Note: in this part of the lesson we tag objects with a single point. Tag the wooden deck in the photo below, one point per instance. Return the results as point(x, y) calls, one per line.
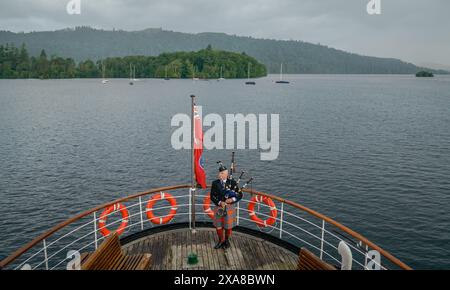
point(170, 250)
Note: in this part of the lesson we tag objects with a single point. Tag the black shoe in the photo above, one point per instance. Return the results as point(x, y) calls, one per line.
point(226, 244)
point(218, 245)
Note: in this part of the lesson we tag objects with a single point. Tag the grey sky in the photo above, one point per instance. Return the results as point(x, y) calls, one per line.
point(413, 30)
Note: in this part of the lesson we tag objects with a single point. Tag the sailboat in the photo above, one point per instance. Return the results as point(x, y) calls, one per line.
point(131, 75)
point(166, 78)
point(193, 77)
point(134, 74)
point(104, 81)
point(249, 82)
point(221, 74)
point(281, 81)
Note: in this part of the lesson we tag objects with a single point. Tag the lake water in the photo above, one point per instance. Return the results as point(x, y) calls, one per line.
point(372, 152)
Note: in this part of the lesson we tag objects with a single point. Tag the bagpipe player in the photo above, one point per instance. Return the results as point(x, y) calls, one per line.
point(225, 194)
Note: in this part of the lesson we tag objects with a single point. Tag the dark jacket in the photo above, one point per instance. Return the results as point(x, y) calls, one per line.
point(218, 191)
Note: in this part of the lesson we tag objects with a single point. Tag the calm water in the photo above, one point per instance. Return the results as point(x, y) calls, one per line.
point(373, 152)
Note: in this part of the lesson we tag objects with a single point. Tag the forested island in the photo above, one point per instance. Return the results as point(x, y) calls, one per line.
point(207, 64)
point(424, 74)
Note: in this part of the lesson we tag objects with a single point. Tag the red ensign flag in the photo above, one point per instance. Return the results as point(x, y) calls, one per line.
point(200, 174)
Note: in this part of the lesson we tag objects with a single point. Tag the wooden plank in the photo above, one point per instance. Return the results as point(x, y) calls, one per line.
point(282, 263)
point(184, 250)
point(293, 261)
point(204, 249)
point(262, 254)
point(162, 248)
point(243, 259)
point(167, 250)
point(269, 250)
point(179, 250)
point(285, 261)
point(173, 264)
point(235, 256)
point(246, 252)
point(201, 250)
point(232, 255)
point(268, 255)
point(250, 245)
point(209, 234)
point(146, 246)
point(229, 259)
point(113, 263)
point(274, 254)
point(257, 248)
point(210, 244)
point(153, 251)
point(144, 262)
point(157, 252)
point(189, 247)
point(119, 263)
point(127, 262)
point(130, 249)
point(161, 256)
point(172, 251)
point(134, 261)
point(242, 256)
point(216, 253)
point(194, 248)
point(84, 257)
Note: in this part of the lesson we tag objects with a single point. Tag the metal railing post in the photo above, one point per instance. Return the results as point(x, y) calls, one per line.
point(238, 211)
point(365, 258)
point(190, 208)
point(193, 219)
point(95, 230)
point(281, 220)
point(45, 254)
point(322, 238)
point(140, 210)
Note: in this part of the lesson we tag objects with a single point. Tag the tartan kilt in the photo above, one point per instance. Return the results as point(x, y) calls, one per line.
point(228, 222)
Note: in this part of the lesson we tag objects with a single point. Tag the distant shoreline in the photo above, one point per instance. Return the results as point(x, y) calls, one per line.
point(274, 76)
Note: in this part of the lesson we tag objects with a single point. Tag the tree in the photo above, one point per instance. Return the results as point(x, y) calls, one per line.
point(43, 66)
point(23, 67)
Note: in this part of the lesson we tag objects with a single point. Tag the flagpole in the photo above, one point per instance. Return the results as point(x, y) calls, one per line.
point(193, 185)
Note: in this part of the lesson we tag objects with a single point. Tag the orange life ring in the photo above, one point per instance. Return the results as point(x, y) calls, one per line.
point(161, 220)
point(104, 216)
point(207, 206)
point(273, 211)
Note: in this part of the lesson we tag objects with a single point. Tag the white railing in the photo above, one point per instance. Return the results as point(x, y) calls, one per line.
point(294, 224)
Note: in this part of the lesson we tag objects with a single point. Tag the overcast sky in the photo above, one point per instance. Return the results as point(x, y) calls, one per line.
point(413, 30)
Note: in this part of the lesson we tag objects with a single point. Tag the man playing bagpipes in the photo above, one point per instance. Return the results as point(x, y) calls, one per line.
point(225, 194)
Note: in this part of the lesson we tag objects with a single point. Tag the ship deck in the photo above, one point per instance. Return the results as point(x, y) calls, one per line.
point(170, 250)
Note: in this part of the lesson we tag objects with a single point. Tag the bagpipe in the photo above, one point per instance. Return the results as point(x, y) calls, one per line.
point(232, 191)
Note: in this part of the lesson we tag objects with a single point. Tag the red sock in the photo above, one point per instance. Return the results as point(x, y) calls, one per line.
point(220, 234)
point(228, 233)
